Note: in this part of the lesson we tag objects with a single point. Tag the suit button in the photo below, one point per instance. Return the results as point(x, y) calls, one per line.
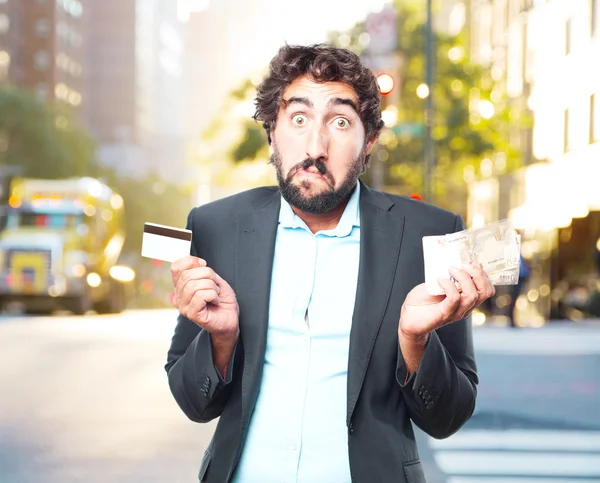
point(429, 405)
point(421, 389)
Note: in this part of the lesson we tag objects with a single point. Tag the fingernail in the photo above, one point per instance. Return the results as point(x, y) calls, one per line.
point(454, 269)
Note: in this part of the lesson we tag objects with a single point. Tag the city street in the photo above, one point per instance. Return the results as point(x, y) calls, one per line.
point(85, 399)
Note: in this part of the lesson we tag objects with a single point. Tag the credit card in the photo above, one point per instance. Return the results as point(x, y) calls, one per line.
point(165, 243)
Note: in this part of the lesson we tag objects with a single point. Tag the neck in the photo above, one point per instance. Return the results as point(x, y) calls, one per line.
point(322, 221)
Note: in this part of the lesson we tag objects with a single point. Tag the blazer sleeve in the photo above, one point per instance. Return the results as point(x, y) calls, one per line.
point(200, 391)
point(441, 394)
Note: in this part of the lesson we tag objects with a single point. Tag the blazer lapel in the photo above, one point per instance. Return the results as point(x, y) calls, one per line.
point(255, 246)
point(380, 240)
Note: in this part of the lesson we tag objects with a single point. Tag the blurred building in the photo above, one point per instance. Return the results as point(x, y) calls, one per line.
point(544, 56)
point(135, 84)
point(207, 75)
point(41, 48)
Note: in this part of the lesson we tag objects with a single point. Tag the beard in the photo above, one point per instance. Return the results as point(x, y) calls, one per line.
point(324, 201)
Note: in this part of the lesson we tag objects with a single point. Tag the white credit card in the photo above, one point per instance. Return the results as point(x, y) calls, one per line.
point(165, 243)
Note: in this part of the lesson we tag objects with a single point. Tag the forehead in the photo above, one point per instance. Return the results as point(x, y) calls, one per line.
point(319, 92)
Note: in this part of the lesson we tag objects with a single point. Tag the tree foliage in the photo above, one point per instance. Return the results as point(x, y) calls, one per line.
point(42, 140)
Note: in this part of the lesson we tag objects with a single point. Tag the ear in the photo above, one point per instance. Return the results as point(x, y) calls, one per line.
point(272, 145)
point(370, 144)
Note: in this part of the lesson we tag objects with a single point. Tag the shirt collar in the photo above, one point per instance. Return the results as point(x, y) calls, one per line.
point(350, 218)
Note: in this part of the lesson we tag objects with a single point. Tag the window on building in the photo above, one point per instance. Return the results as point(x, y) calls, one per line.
point(566, 132)
point(4, 23)
point(568, 29)
point(41, 60)
point(42, 28)
point(74, 7)
point(593, 17)
point(4, 64)
point(42, 90)
point(594, 120)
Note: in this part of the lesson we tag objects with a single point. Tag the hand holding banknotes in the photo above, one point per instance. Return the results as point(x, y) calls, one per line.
point(205, 298)
point(423, 313)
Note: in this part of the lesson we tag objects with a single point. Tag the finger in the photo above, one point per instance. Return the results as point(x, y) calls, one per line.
point(185, 263)
point(450, 304)
point(469, 296)
point(481, 280)
point(197, 305)
point(194, 286)
point(190, 274)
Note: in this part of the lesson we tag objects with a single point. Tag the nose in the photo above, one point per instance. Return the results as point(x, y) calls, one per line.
point(318, 143)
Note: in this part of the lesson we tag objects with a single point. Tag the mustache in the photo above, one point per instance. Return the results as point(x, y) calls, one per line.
point(307, 163)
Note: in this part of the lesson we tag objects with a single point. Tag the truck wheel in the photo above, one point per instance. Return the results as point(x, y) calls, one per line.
point(114, 303)
point(79, 305)
point(37, 311)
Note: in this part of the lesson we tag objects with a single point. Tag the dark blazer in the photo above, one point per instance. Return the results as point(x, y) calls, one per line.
point(236, 236)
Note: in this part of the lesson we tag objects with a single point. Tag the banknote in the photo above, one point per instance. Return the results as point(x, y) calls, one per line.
point(507, 277)
point(495, 246)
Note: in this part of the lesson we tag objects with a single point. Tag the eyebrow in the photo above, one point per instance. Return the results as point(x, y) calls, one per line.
point(343, 101)
point(336, 101)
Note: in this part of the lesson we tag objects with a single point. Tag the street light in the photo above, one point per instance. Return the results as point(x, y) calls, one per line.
point(422, 91)
point(386, 84)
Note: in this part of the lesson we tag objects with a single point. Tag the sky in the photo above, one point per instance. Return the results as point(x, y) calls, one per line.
point(254, 30)
point(273, 22)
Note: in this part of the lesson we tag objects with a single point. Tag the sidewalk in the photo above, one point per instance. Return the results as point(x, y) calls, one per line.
point(554, 338)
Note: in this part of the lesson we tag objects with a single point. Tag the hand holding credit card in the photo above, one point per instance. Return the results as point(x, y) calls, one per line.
point(165, 243)
point(495, 246)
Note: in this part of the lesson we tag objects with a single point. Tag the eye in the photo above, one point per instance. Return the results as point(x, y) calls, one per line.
point(299, 120)
point(342, 123)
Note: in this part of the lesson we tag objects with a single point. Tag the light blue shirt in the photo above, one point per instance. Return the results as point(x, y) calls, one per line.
point(298, 431)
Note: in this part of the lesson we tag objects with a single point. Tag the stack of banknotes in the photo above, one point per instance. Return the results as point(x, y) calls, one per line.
point(496, 247)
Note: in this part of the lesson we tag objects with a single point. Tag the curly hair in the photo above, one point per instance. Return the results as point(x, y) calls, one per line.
point(321, 63)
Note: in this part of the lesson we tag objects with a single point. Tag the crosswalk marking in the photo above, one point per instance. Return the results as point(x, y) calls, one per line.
point(503, 456)
point(520, 479)
point(521, 440)
point(526, 464)
point(546, 341)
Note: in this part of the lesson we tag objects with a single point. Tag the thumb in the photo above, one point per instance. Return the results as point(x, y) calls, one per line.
point(226, 294)
point(449, 305)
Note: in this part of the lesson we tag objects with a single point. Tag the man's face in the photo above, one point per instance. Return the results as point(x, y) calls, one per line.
point(318, 144)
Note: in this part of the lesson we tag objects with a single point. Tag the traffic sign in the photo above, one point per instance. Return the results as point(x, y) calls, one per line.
point(409, 129)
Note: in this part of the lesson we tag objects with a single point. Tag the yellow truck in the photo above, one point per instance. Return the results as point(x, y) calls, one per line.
point(60, 246)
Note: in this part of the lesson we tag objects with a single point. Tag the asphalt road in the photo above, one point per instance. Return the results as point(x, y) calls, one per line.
point(85, 399)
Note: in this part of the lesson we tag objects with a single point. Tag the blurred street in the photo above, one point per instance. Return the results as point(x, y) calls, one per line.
point(85, 399)
point(538, 410)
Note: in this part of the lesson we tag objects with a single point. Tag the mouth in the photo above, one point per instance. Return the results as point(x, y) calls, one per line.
point(310, 174)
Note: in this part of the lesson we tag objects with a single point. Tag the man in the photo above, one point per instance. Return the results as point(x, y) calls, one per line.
point(304, 321)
